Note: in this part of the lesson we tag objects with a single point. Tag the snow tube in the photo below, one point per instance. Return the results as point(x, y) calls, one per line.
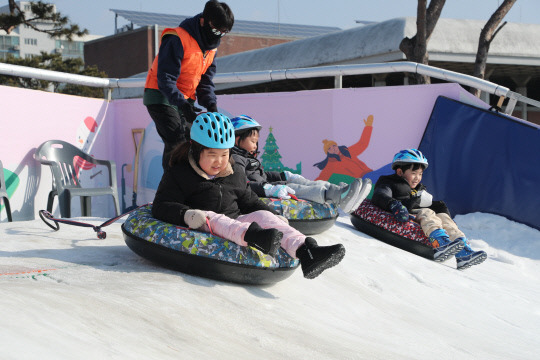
point(305, 216)
point(202, 254)
point(381, 225)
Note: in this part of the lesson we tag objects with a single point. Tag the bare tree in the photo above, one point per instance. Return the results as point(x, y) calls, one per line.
point(488, 33)
point(415, 48)
point(40, 13)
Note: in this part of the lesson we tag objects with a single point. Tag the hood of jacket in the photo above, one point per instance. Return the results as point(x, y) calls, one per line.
point(193, 26)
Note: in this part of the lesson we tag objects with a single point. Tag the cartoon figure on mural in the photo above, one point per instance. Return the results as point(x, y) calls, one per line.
point(85, 137)
point(11, 183)
point(342, 163)
point(86, 133)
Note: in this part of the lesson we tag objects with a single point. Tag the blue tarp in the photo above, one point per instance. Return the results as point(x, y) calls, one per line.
point(483, 161)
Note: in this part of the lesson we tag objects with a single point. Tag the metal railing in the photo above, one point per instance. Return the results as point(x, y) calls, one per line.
point(336, 71)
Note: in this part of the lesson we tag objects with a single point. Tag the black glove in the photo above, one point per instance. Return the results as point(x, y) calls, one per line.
point(187, 111)
point(399, 211)
point(212, 107)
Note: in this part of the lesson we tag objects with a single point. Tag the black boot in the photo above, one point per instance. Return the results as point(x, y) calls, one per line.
point(315, 259)
point(266, 240)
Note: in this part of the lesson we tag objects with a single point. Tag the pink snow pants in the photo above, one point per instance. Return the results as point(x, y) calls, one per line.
point(234, 229)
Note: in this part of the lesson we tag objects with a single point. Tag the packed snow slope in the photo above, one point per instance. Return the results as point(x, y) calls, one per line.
point(68, 295)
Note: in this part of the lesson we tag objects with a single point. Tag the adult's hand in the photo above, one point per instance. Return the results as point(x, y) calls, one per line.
point(188, 112)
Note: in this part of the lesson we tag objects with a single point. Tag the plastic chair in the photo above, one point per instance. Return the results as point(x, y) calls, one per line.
point(62, 157)
point(3, 193)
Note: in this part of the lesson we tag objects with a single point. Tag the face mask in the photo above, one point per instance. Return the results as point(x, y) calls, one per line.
point(208, 35)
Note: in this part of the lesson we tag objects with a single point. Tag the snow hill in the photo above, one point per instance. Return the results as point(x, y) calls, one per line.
point(68, 295)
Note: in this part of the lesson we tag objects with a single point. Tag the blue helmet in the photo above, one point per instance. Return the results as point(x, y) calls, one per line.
point(213, 130)
point(409, 156)
point(243, 123)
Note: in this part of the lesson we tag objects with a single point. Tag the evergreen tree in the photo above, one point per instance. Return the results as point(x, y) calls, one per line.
point(271, 158)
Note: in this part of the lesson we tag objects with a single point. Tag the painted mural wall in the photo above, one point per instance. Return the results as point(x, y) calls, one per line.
point(28, 118)
point(333, 135)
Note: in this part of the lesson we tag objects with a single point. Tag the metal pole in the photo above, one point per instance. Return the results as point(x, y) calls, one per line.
point(338, 82)
point(156, 45)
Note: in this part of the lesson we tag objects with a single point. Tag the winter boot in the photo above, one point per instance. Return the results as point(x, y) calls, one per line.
point(344, 197)
point(315, 259)
point(467, 257)
point(265, 240)
point(363, 193)
point(443, 248)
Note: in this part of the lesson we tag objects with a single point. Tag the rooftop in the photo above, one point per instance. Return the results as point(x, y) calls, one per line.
point(452, 41)
point(240, 26)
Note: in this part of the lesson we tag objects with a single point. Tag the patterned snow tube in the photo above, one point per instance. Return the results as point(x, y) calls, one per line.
point(202, 254)
point(381, 225)
point(305, 216)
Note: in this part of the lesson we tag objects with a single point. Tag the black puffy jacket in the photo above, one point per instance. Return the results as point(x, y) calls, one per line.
point(394, 187)
point(255, 173)
point(185, 186)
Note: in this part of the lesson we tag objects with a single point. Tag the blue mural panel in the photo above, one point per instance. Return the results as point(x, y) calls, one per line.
point(482, 161)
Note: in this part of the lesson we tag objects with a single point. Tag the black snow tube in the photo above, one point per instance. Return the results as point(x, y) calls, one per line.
point(308, 217)
point(381, 225)
point(202, 254)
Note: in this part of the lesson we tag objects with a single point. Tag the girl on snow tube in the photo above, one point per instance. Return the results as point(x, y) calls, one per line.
point(312, 200)
point(202, 253)
point(205, 191)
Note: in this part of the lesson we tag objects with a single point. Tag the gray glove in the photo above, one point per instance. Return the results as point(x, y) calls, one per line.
point(277, 191)
point(194, 218)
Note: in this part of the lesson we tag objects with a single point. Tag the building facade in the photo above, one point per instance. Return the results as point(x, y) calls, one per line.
point(24, 41)
point(132, 48)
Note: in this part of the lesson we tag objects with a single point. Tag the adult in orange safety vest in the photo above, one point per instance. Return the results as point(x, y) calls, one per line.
point(183, 72)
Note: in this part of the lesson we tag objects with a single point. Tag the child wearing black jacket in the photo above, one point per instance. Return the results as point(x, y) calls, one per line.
point(281, 184)
point(402, 193)
point(204, 190)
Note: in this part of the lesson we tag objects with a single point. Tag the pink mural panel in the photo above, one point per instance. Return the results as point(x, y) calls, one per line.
point(31, 117)
point(370, 123)
point(301, 121)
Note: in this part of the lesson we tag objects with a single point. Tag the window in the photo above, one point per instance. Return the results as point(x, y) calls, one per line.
point(9, 42)
point(70, 48)
point(29, 41)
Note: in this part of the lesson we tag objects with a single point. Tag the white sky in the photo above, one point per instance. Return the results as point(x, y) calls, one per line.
point(96, 16)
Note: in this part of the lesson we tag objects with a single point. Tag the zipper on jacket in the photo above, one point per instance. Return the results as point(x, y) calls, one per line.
point(220, 195)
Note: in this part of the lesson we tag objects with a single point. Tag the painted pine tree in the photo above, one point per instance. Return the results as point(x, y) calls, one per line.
point(271, 158)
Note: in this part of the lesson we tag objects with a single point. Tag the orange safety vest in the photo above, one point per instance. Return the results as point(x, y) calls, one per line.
point(194, 64)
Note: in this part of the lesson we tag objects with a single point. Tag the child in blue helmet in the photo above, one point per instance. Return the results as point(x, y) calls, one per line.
point(281, 184)
point(402, 193)
point(204, 190)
